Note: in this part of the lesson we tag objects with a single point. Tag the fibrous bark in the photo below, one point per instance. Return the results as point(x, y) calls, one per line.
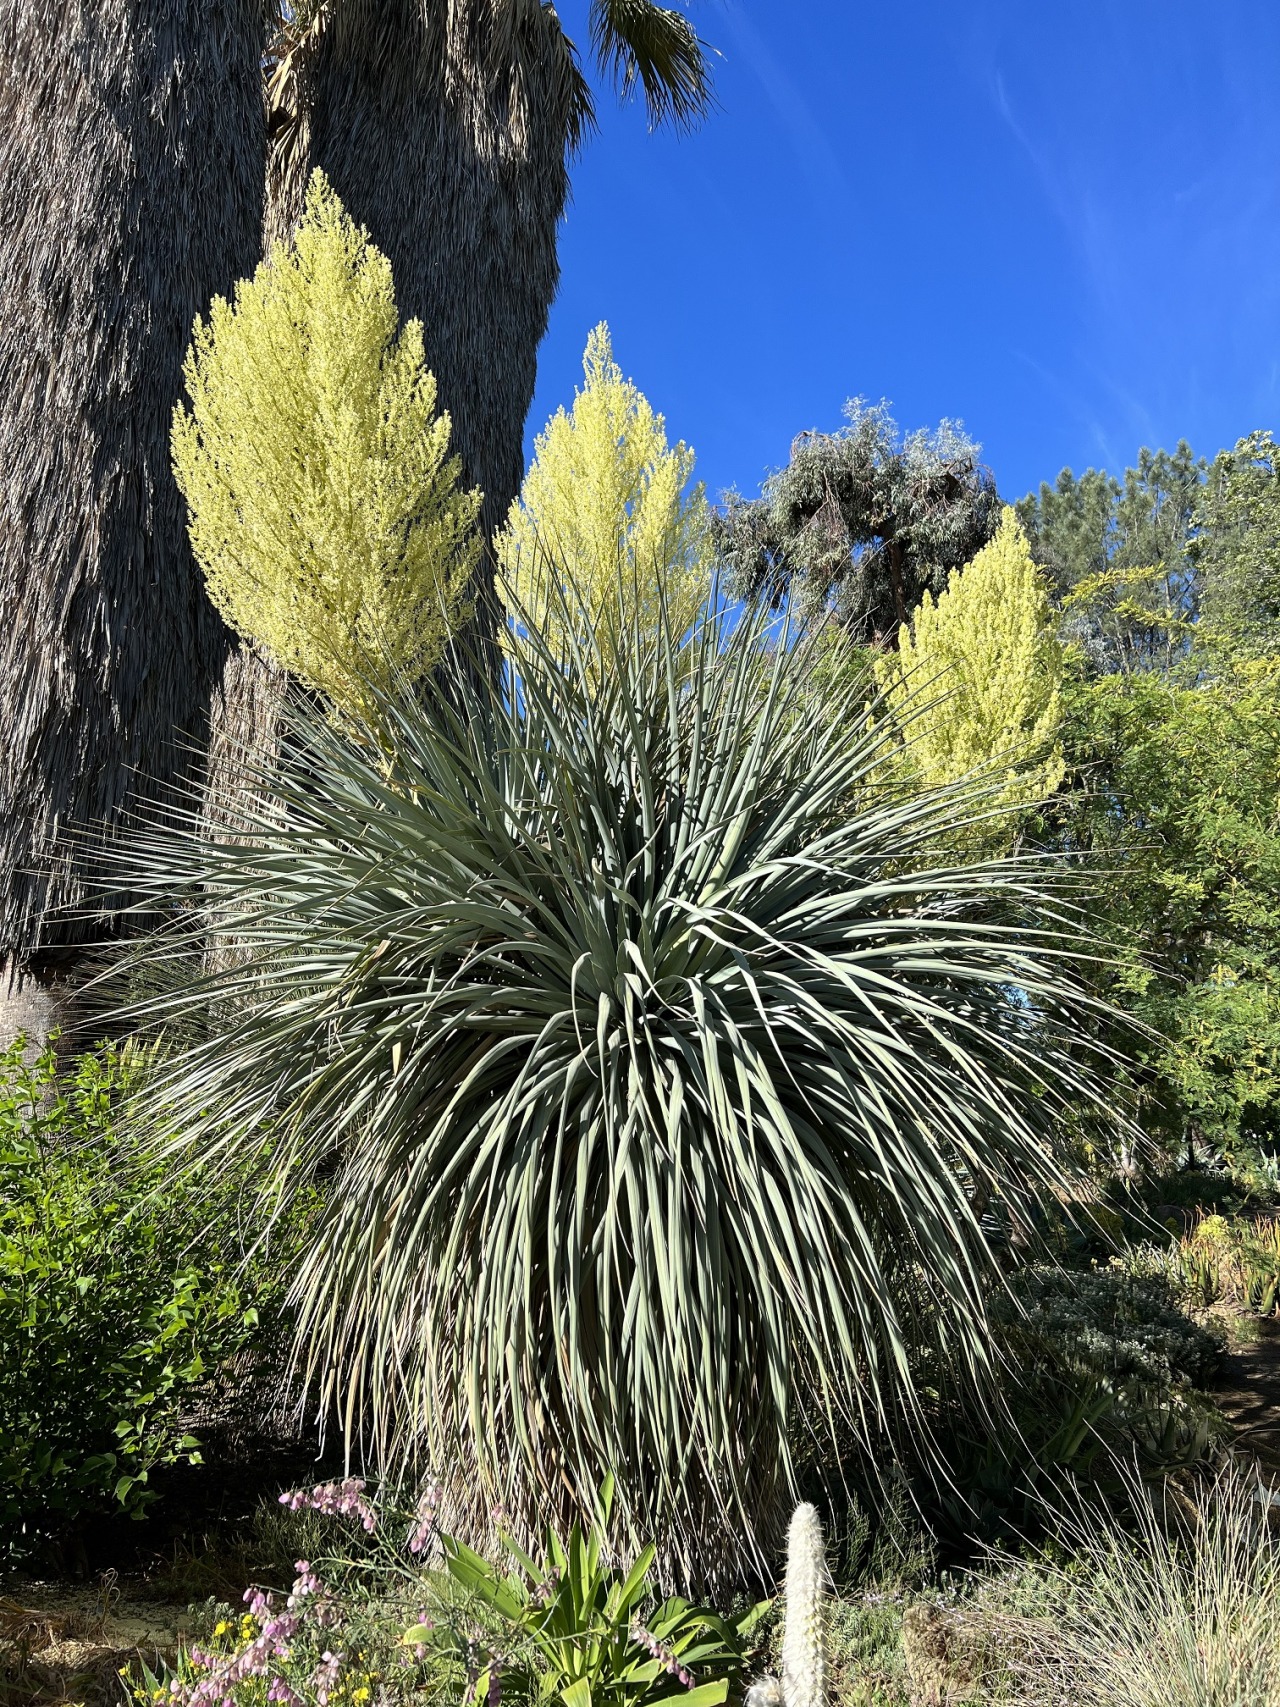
point(132, 149)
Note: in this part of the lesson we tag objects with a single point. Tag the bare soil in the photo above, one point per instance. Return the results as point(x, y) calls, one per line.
point(1249, 1397)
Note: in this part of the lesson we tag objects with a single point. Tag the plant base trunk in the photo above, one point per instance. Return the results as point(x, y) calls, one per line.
point(41, 999)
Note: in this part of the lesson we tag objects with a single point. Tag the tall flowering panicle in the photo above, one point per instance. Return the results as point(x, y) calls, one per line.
point(803, 1647)
point(663, 1654)
point(334, 1499)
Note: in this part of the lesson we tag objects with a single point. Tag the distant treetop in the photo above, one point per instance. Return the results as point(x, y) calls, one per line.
point(862, 522)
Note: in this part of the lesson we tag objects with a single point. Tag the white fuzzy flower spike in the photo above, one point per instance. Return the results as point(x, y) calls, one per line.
point(802, 1642)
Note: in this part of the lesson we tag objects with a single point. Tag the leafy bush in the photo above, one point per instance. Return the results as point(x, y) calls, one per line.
point(1118, 1328)
point(576, 1630)
point(572, 1630)
point(1100, 1365)
point(657, 1058)
point(1235, 1260)
point(114, 1327)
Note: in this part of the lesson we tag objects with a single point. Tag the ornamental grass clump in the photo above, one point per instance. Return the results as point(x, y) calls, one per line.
point(1179, 1606)
point(656, 1061)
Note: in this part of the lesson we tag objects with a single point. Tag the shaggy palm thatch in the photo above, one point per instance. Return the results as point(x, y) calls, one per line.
point(446, 130)
point(131, 165)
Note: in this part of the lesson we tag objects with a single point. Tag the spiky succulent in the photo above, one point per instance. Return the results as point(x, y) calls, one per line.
point(656, 1056)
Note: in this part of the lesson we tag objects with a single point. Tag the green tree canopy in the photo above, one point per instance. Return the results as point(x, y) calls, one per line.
point(1118, 555)
point(862, 522)
point(1177, 796)
point(1237, 548)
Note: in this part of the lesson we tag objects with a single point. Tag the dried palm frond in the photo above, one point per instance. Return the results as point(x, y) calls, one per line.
point(131, 167)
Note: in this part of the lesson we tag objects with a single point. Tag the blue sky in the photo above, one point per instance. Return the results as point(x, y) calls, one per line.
point(1059, 223)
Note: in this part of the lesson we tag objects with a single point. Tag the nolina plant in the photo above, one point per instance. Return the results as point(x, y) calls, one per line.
point(652, 1056)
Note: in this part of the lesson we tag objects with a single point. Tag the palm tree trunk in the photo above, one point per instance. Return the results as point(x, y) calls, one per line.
point(132, 147)
point(460, 174)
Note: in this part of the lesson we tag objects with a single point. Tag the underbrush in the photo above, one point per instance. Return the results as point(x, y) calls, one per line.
point(390, 1609)
point(1169, 1597)
point(130, 1314)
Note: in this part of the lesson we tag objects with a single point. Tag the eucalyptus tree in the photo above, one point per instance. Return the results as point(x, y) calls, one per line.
point(132, 148)
point(862, 522)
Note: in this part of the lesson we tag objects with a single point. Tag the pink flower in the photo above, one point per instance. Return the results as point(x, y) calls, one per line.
point(424, 1518)
point(334, 1499)
point(662, 1654)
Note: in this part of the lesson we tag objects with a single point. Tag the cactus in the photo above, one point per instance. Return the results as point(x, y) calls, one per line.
point(803, 1664)
point(802, 1644)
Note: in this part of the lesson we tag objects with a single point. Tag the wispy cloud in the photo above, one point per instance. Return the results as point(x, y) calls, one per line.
point(820, 166)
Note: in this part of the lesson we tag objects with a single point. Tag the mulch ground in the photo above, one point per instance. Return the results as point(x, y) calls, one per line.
point(1249, 1397)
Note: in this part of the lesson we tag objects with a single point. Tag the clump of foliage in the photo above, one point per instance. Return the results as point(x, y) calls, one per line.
point(1099, 1364)
point(606, 509)
point(576, 1629)
point(404, 1610)
point(861, 523)
point(115, 1324)
point(1234, 1260)
point(1119, 556)
point(656, 1070)
point(1175, 798)
point(1123, 1330)
point(978, 675)
point(324, 508)
point(1236, 550)
point(1176, 1607)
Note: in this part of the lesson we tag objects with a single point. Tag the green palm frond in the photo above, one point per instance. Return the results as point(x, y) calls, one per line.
point(638, 42)
point(513, 51)
point(654, 1056)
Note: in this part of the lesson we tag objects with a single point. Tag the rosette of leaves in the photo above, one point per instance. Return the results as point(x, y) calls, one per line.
point(576, 1628)
point(659, 1059)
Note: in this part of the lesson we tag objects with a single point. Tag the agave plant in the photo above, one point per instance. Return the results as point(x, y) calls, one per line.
point(657, 1058)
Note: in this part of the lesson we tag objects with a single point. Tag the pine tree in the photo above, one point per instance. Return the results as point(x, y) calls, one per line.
point(324, 505)
point(1121, 558)
point(977, 678)
point(1237, 547)
point(606, 507)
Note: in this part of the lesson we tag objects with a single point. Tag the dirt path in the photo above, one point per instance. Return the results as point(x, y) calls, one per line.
point(1249, 1397)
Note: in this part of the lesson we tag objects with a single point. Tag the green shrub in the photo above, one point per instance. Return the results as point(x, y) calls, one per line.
point(390, 1610)
point(1233, 1260)
point(1100, 1365)
point(1118, 1329)
point(116, 1325)
point(578, 1630)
